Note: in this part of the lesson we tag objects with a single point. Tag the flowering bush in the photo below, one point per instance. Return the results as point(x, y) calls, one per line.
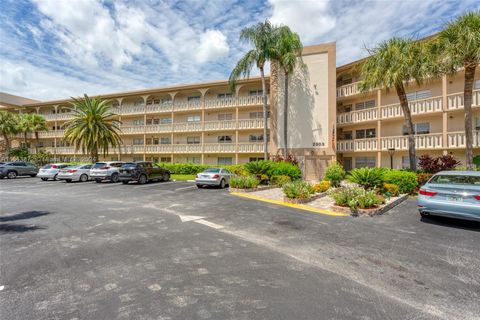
point(322, 186)
point(391, 188)
point(280, 180)
point(430, 164)
point(298, 190)
point(241, 182)
point(356, 198)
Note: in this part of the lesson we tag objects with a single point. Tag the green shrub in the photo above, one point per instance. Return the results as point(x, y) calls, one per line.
point(258, 168)
point(280, 180)
point(335, 174)
point(369, 178)
point(284, 169)
point(238, 169)
point(405, 180)
point(298, 190)
point(355, 198)
point(476, 161)
point(242, 182)
point(322, 186)
point(391, 188)
point(184, 168)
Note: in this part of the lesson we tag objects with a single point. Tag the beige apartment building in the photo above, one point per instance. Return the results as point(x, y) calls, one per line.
point(329, 119)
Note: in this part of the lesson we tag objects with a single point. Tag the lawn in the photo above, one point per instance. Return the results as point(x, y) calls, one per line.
point(183, 177)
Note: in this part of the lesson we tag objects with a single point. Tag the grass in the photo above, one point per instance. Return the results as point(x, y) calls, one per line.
point(183, 177)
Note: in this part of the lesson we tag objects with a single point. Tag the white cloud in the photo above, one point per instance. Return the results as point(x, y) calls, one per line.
point(309, 18)
point(213, 45)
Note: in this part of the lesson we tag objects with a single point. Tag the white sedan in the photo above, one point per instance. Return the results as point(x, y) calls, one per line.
point(79, 172)
point(50, 171)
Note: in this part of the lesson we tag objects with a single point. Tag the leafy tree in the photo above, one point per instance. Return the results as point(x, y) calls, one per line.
point(262, 39)
point(41, 158)
point(8, 126)
point(458, 46)
point(24, 126)
point(93, 127)
point(288, 51)
point(20, 153)
point(393, 64)
point(36, 123)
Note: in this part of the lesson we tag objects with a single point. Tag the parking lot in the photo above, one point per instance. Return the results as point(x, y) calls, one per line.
point(172, 251)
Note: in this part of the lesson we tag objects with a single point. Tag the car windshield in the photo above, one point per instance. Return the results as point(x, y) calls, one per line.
point(99, 165)
point(212, 170)
point(47, 166)
point(129, 165)
point(456, 180)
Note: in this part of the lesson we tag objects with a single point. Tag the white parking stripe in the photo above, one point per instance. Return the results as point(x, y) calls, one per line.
point(153, 185)
point(185, 188)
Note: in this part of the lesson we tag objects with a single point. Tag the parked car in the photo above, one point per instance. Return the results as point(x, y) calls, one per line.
point(80, 172)
point(453, 194)
point(11, 170)
point(108, 170)
point(213, 177)
point(50, 171)
point(143, 172)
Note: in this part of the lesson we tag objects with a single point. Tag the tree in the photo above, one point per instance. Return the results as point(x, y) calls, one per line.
point(36, 123)
point(394, 64)
point(458, 47)
point(261, 37)
point(24, 127)
point(93, 127)
point(288, 51)
point(8, 126)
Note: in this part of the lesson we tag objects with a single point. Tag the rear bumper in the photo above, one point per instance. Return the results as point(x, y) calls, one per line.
point(67, 177)
point(100, 175)
point(467, 211)
point(46, 175)
point(128, 178)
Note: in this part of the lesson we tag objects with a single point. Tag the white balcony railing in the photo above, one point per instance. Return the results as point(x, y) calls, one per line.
point(132, 129)
point(417, 107)
point(154, 128)
point(234, 102)
point(159, 148)
point(159, 107)
point(219, 147)
point(221, 125)
point(250, 124)
point(358, 116)
point(369, 144)
point(457, 139)
point(455, 101)
point(187, 148)
point(348, 90)
point(423, 141)
point(50, 134)
point(256, 147)
point(187, 105)
point(187, 126)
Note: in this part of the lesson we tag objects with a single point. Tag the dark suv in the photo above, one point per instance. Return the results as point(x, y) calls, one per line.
point(143, 172)
point(11, 170)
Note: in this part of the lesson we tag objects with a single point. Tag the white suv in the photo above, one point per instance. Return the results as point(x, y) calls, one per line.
point(108, 170)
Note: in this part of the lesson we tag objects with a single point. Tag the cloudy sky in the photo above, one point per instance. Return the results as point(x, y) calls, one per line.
point(52, 49)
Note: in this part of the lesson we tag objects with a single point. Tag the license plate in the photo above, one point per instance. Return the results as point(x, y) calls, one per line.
point(454, 199)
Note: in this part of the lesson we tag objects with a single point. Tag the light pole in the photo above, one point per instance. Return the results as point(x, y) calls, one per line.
point(391, 151)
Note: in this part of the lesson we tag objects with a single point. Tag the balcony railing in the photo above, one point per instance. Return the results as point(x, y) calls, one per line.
point(51, 134)
point(348, 90)
point(423, 141)
point(369, 144)
point(455, 101)
point(457, 139)
point(416, 107)
point(57, 116)
point(358, 116)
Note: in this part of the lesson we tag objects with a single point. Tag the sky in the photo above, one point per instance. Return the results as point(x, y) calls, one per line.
point(56, 49)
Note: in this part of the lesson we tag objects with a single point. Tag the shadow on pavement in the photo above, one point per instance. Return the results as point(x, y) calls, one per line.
point(452, 223)
point(24, 215)
point(6, 228)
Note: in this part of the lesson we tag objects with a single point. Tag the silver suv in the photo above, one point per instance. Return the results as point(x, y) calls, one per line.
point(17, 168)
point(108, 170)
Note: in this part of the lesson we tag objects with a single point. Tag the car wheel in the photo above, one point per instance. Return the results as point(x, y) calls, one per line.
point(125, 181)
point(55, 178)
point(11, 175)
point(44, 179)
point(33, 175)
point(114, 177)
point(199, 186)
point(166, 176)
point(98, 180)
point(424, 214)
point(142, 179)
point(83, 178)
point(222, 184)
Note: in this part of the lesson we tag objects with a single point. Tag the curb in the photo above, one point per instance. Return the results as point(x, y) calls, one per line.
point(291, 205)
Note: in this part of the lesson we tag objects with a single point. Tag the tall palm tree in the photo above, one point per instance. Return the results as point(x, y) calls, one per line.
point(93, 127)
point(36, 123)
point(288, 51)
point(394, 64)
point(458, 47)
point(24, 126)
point(261, 37)
point(8, 126)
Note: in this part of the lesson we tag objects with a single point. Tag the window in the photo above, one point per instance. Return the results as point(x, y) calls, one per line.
point(153, 121)
point(347, 135)
point(165, 140)
point(138, 141)
point(365, 133)
point(193, 140)
point(365, 105)
point(224, 139)
point(361, 162)
point(224, 95)
point(166, 101)
point(225, 116)
point(422, 94)
point(224, 161)
point(193, 119)
point(138, 122)
point(255, 138)
point(166, 120)
point(476, 123)
point(255, 159)
point(138, 102)
point(194, 99)
point(418, 128)
point(155, 159)
point(195, 160)
point(152, 141)
point(166, 159)
point(346, 108)
point(256, 115)
point(255, 92)
point(136, 159)
point(476, 84)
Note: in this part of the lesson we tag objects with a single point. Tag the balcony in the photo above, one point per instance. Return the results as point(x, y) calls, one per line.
point(348, 90)
point(234, 102)
point(358, 116)
point(457, 139)
point(424, 141)
point(369, 144)
point(421, 106)
point(455, 101)
point(57, 116)
point(50, 134)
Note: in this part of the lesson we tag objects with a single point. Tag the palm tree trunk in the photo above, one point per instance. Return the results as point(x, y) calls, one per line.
point(467, 106)
point(265, 114)
point(408, 121)
point(37, 142)
point(25, 139)
point(7, 146)
point(285, 116)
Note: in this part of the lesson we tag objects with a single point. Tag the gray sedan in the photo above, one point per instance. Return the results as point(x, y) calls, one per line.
point(79, 172)
point(213, 177)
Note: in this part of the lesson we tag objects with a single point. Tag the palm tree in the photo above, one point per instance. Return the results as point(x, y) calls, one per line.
point(458, 47)
point(288, 51)
point(36, 123)
point(24, 126)
point(8, 126)
point(93, 127)
point(393, 64)
point(261, 37)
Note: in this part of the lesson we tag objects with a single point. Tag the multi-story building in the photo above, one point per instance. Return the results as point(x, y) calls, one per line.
point(328, 119)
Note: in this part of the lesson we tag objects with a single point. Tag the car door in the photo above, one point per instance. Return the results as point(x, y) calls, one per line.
point(226, 174)
point(86, 169)
point(31, 168)
point(151, 173)
point(21, 168)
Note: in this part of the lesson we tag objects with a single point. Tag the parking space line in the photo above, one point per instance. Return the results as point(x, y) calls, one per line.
point(154, 185)
point(185, 188)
